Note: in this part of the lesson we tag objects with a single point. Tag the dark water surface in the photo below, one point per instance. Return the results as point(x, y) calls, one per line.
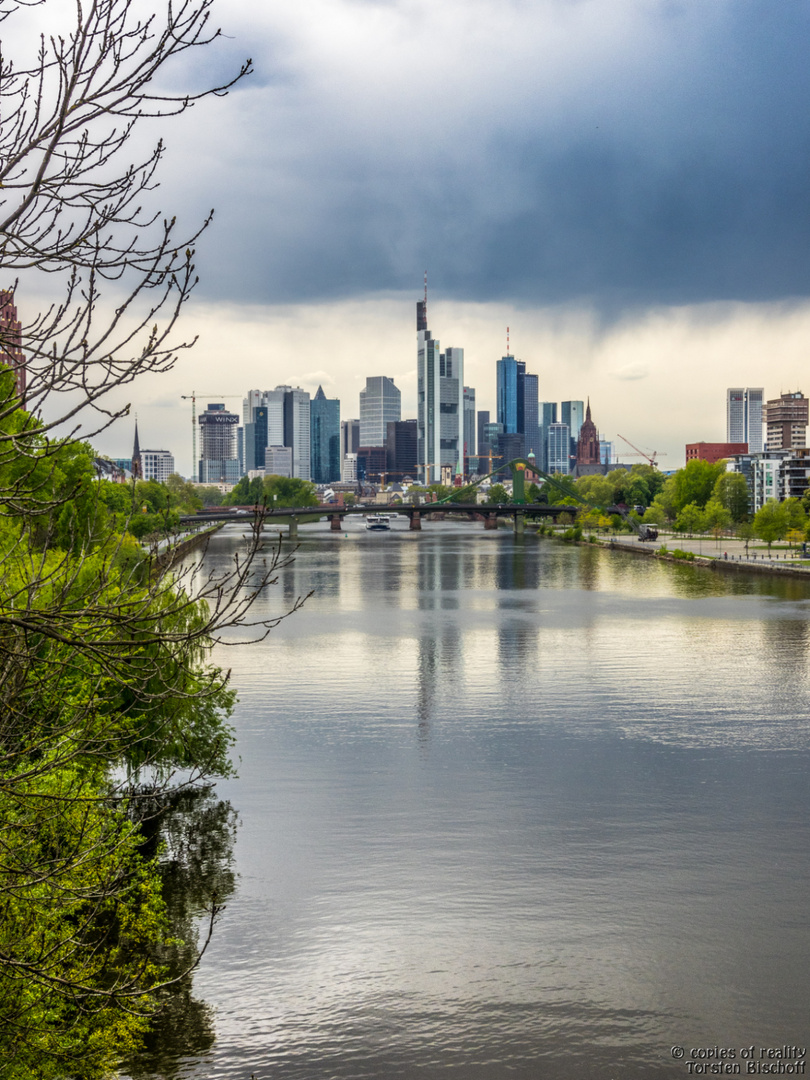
point(512, 810)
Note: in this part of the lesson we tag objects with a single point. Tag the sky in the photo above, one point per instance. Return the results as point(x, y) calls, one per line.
point(623, 183)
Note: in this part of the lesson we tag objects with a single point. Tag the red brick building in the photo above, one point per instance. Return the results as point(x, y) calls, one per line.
point(714, 451)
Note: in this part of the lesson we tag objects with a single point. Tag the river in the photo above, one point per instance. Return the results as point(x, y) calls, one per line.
point(512, 810)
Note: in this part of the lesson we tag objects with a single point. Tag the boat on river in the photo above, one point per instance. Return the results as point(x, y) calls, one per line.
point(378, 522)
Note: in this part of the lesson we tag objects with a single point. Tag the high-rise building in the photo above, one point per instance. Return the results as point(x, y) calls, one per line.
point(483, 420)
point(157, 465)
point(325, 438)
point(255, 438)
point(786, 418)
point(218, 462)
point(278, 461)
point(559, 449)
point(380, 405)
point(11, 352)
point(349, 437)
point(440, 401)
point(400, 449)
point(507, 393)
point(469, 424)
point(531, 415)
point(546, 415)
point(297, 430)
point(744, 417)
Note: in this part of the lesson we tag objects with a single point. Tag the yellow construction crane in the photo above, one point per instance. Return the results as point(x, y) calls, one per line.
point(192, 397)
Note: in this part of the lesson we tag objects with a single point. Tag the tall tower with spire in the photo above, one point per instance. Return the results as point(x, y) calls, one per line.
point(137, 464)
point(588, 449)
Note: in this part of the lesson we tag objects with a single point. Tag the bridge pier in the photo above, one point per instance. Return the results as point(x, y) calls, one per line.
point(416, 521)
point(336, 524)
point(520, 524)
point(293, 532)
point(491, 521)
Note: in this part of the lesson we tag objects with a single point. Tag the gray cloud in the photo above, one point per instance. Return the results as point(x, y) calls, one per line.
point(617, 153)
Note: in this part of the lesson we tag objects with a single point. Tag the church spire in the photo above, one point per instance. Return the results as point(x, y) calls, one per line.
point(137, 468)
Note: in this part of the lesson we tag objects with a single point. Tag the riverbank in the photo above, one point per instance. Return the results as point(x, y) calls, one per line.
point(729, 555)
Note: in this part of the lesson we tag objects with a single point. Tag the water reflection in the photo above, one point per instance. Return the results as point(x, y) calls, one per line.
point(194, 833)
point(514, 809)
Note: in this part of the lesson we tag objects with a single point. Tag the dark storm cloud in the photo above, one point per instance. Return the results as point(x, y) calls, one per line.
point(616, 152)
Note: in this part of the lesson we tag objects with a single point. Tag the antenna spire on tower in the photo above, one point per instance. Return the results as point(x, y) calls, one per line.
point(426, 296)
point(507, 342)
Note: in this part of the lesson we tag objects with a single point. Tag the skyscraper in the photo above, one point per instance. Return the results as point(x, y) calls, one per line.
point(380, 404)
point(744, 417)
point(325, 438)
point(507, 393)
point(469, 423)
point(531, 415)
point(297, 430)
point(559, 449)
point(786, 418)
point(440, 403)
point(218, 459)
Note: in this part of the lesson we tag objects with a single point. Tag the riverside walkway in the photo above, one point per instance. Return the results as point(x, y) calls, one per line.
point(726, 550)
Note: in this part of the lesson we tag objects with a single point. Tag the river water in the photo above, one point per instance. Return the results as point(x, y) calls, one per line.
point(512, 810)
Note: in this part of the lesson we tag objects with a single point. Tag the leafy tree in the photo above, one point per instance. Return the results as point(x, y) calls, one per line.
point(498, 494)
point(771, 522)
point(286, 491)
point(183, 495)
point(695, 483)
point(691, 519)
point(716, 516)
point(731, 490)
point(105, 681)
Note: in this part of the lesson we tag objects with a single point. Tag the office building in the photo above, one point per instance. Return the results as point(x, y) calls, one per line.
point(371, 463)
point(297, 430)
point(400, 449)
point(325, 438)
point(349, 437)
point(11, 353)
point(278, 461)
point(786, 421)
point(546, 415)
point(349, 468)
point(606, 451)
point(255, 438)
point(558, 449)
point(380, 405)
point(440, 404)
point(481, 421)
point(218, 463)
point(744, 417)
point(507, 393)
point(714, 452)
point(157, 465)
point(469, 425)
point(531, 415)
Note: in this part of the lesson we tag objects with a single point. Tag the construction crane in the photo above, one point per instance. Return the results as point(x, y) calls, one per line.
point(640, 453)
point(192, 397)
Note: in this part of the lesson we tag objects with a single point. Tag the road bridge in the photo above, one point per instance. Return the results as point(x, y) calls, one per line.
point(292, 516)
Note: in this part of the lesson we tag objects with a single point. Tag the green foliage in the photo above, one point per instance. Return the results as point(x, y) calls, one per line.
point(691, 519)
point(731, 490)
point(687, 556)
point(694, 484)
point(772, 522)
point(498, 494)
point(716, 516)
